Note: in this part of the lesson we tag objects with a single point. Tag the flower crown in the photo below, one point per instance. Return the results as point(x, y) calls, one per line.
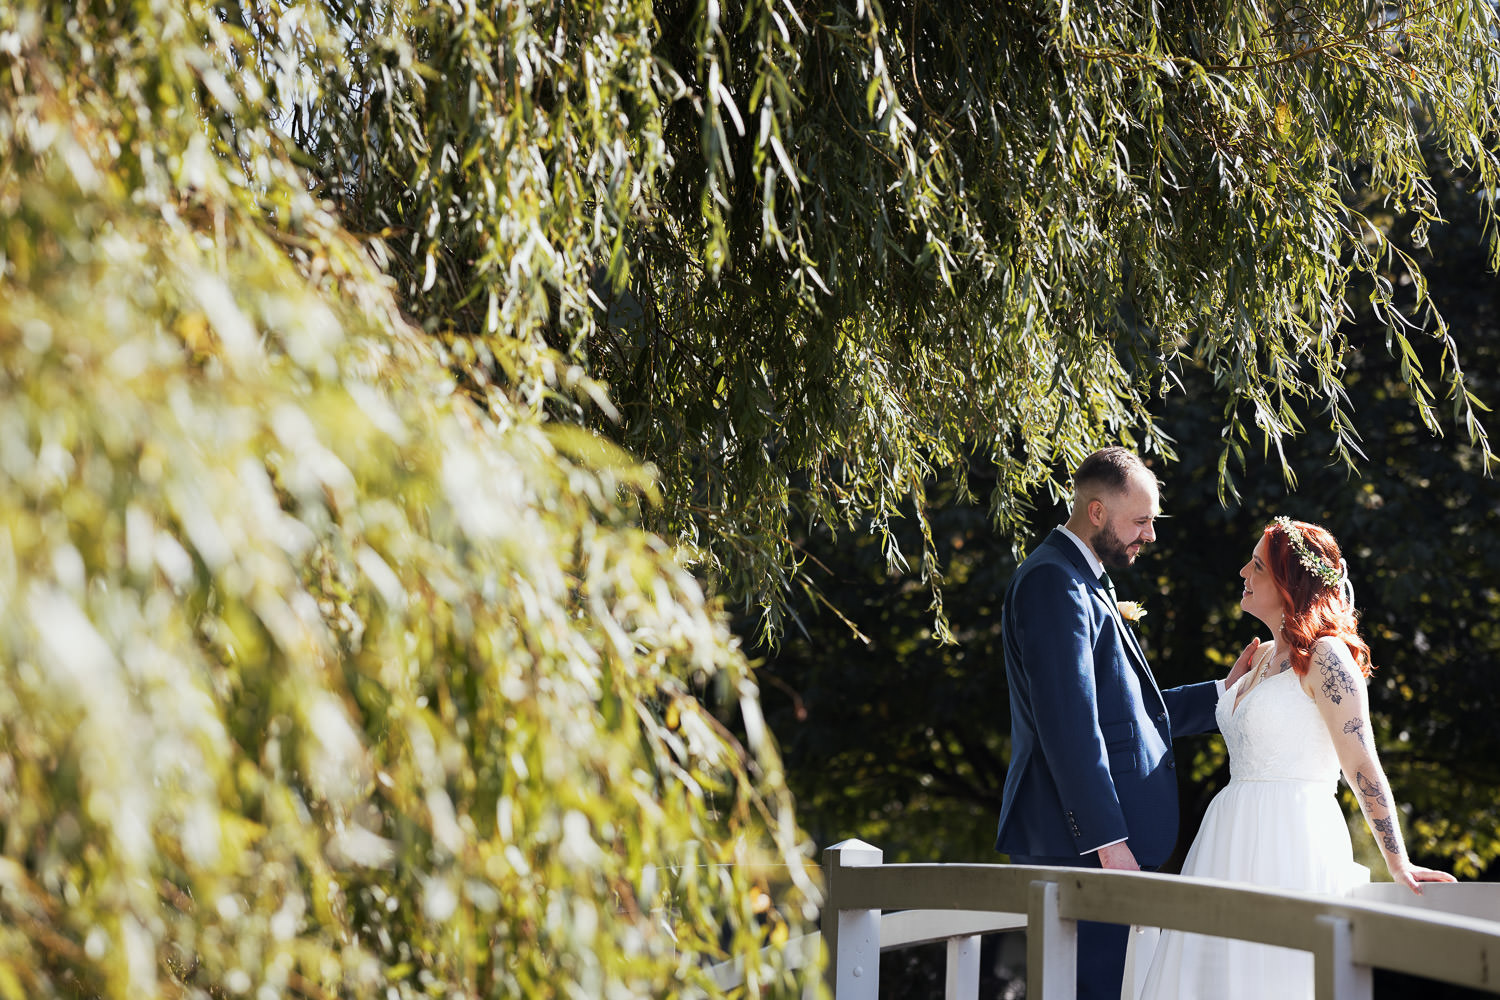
point(1329, 574)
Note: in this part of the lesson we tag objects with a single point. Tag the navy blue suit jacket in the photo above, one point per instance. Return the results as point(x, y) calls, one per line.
point(1091, 757)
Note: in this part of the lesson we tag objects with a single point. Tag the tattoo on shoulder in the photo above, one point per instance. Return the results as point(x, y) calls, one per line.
point(1336, 681)
point(1356, 728)
point(1370, 790)
point(1387, 830)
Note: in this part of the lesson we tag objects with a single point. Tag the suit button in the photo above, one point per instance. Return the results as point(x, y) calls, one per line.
point(1161, 717)
point(1171, 764)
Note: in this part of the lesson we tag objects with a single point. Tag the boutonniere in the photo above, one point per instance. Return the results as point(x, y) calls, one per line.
point(1131, 611)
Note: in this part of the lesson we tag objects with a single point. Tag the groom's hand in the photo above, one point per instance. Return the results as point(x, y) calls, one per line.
point(1242, 664)
point(1118, 857)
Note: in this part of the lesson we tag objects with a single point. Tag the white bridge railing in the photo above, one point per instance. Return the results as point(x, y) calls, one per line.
point(1450, 933)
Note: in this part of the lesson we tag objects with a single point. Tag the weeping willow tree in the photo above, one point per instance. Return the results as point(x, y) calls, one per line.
point(317, 679)
point(819, 252)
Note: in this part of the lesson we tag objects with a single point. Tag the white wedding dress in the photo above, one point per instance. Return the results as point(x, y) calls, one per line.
point(1277, 824)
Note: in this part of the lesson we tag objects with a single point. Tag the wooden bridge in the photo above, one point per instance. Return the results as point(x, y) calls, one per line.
point(1450, 933)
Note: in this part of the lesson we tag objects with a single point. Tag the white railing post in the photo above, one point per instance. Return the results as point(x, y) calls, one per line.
point(962, 982)
point(1337, 975)
point(1051, 947)
point(853, 936)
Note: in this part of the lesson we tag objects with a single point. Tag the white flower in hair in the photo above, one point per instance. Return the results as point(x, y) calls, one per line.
point(1329, 574)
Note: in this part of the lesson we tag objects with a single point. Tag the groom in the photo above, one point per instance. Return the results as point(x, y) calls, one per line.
point(1092, 780)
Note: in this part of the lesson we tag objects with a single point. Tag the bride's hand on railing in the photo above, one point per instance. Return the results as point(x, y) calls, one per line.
point(1412, 876)
point(1242, 665)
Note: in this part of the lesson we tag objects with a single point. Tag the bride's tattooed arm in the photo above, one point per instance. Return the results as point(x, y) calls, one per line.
point(1338, 689)
point(1386, 828)
point(1370, 791)
point(1338, 682)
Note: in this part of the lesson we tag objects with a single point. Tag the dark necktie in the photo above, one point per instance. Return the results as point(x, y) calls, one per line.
point(1109, 586)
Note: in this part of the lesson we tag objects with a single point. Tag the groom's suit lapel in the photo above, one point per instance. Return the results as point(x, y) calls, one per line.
point(1134, 645)
point(1133, 648)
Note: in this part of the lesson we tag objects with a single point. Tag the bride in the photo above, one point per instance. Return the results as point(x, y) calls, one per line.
point(1293, 720)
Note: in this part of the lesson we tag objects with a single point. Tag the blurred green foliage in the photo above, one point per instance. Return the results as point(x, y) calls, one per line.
point(316, 679)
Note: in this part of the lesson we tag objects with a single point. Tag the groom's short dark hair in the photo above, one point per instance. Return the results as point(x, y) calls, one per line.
point(1108, 468)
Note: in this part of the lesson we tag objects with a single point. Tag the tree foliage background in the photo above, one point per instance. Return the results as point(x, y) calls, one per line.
point(386, 382)
point(821, 252)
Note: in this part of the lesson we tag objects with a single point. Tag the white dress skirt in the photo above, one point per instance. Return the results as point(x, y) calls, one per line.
point(1277, 825)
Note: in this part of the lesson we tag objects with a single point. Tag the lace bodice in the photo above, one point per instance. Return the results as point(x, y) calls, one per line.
point(1276, 733)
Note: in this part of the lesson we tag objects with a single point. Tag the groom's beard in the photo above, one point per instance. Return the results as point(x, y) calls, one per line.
point(1112, 550)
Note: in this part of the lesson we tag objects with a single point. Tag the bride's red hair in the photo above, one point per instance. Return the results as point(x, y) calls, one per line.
point(1313, 608)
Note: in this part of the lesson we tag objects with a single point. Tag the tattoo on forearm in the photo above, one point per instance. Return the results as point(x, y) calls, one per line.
point(1370, 790)
point(1387, 830)
point(1336, 682)
point(1356, 728)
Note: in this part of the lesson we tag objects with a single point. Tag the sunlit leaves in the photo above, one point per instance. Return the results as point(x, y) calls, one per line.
point(317, 678)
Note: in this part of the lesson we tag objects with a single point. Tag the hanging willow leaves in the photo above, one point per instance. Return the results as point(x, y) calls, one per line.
point(818, 251)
